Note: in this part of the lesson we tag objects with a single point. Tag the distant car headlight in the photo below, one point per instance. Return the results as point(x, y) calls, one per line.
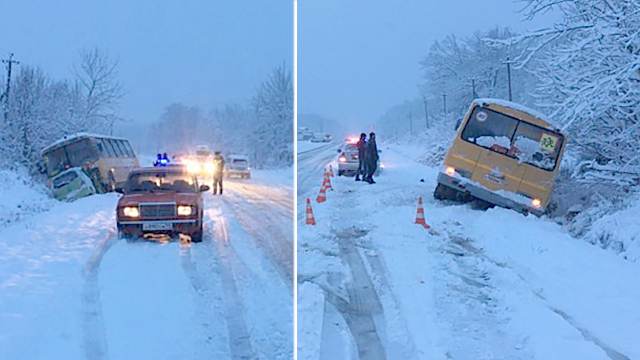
point(342, 159)
point(185, 210)
point(450, 170)
point(381, 165)
point(193, 167)
point(131, 211)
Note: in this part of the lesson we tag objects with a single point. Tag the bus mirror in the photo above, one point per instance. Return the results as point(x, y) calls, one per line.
point(119, 190)
point(458, 122)
point(41, 168)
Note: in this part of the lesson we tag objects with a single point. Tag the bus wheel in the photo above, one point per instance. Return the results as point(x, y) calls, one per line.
point(443, 192)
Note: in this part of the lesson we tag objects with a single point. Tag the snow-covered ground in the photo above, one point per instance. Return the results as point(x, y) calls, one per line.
point(481, 285)
point(69, 289)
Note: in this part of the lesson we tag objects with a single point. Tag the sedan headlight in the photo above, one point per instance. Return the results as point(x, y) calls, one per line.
point(131, 211)
point(185, 210)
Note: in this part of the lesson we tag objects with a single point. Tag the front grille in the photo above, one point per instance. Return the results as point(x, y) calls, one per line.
point(157, 210)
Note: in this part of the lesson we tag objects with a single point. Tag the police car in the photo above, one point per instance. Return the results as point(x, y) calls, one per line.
point(163, 199)
point(348, 159)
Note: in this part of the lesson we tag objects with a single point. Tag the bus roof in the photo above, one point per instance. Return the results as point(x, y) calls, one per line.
point(518, 110)
point(68, 139)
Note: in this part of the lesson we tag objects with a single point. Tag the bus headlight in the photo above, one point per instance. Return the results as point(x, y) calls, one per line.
point(450, 170)
point(342, 159)
point(536, 203)
point(185, 210)
point(131, 211)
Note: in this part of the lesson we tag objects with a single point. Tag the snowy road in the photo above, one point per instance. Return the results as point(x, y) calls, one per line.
point(70, 289)
point(482, 285)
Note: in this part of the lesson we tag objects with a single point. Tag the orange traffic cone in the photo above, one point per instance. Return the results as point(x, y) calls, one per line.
point(310, 219)
point(327, 181)
point(322, 196)
point(420, 220)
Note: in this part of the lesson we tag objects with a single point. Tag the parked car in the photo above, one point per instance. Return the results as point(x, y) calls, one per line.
point(237, 166)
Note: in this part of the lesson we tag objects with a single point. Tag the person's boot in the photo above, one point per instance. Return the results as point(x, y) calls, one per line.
point(371, 180)
point(357, 177)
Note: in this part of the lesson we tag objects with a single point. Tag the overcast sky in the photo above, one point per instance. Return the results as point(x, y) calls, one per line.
point(357, 58)
point(199, 52)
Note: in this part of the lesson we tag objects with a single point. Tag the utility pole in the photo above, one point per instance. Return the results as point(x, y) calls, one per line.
point(9, 63)
point(444, 104)
point(426, 111)
point(473, 89)
point(508, 62)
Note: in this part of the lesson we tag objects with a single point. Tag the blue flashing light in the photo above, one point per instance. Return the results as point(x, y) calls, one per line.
point(161, 160)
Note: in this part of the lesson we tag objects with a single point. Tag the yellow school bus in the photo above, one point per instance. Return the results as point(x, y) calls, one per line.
point(503, 154)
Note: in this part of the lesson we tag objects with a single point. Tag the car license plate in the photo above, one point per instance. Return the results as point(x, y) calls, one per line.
point(155, 226)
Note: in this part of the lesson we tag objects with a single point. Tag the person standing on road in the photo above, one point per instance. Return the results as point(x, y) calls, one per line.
point(371, 156)
point(218, 170)
point(362, 146)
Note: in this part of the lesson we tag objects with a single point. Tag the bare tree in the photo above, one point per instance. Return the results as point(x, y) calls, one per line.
point(97, 79)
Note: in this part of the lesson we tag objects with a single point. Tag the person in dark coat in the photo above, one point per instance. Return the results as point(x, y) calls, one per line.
point(218, 172)
point(362, 147)
point(371, 156)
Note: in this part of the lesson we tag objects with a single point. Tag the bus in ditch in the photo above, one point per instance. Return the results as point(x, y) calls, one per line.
point(503, 154)
point(84, 164)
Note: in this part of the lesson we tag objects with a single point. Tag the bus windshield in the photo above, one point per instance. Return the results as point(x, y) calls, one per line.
point(512, 137)
point(75, 154)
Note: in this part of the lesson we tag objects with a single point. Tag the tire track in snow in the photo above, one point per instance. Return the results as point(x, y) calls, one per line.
point(239, 338)
point(363, 304)
point(313, 162)
point(206, 294)
point(258, 219)
point(94, 336)
point(466, 245)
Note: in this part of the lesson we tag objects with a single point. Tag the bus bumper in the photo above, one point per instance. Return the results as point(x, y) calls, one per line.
point(468, 190)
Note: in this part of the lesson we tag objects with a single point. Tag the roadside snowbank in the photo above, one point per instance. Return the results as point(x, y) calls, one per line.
point(21, 196)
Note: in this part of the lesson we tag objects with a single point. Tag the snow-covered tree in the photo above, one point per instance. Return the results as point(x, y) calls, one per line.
point(471, 67)
point(588, 65)
point(273, 108)
point(42, 110)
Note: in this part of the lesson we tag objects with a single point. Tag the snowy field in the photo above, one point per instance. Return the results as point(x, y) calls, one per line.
point(481, 285)
point(69, 289)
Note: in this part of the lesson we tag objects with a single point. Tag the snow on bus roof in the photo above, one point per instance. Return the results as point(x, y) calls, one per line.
point(77, 136)
point(516, 106)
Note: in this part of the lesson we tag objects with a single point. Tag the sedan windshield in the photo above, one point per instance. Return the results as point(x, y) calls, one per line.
point(511, 137)
point(161, 181)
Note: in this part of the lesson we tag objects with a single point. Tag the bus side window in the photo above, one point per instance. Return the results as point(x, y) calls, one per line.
point(123, 148)
point(129, 149)
point(110, 151)
point(116, 149)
